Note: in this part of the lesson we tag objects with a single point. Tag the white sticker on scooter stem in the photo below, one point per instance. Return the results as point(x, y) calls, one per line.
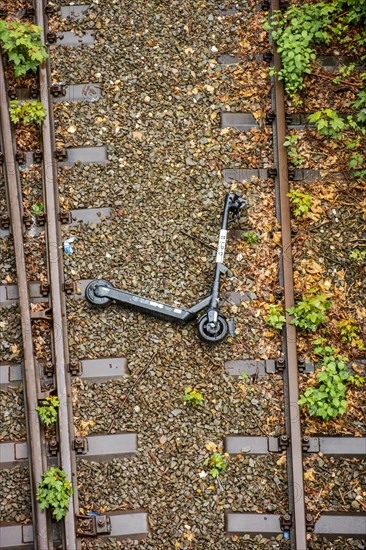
point(221, 246)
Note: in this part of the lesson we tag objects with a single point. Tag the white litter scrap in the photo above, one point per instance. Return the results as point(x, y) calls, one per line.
point(68, 245)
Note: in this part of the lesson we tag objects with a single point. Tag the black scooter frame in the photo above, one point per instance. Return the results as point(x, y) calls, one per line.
point(212, 326)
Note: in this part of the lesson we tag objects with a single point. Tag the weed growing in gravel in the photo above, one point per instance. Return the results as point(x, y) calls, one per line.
point(54, 491)
point(217, 462)
point(27, 112)
point(295, 32)
point(47, 410)
point(37, 208)
point(23, 45)
point(328, 123)
point(350, 332)
point(300, 201)
point(310, 312)
point(293, 155)
point(276, 318)
point(328, 399)
point(359, 255)
point(193, 397)
point(250, 237)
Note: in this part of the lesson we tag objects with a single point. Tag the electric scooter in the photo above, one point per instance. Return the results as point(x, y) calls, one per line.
point(212, 326)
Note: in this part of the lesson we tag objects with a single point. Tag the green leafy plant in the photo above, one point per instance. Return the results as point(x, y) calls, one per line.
point(290, 142)
point(359, 255)
point(193, 397)
point(250, 237)
point(217, 463)
point(54, 492)
point(47, 410)
point(295, 31)
point(349, 329)
point(23, 45)
point(300, 201)
point(276, 318)
point(27, 112)
point(37, 208)
point(350, 332)
point(310, 312)
point(328, 123)
point(328, 399)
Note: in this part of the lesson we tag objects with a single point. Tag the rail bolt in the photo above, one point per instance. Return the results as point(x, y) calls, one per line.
point(265, 5)
point(51, 37)
point(305, 443)
point(37, 156)
point(65, 216)
point(5, 221)
point(75, 367)
point(20, 157)
point(49, 10)
point(301, 363)
point(267, 56)
point(69, 287)
point(48, 369)
point(12, 93)
point(41, 219)
point(270, 117)
point(60, 154)
point(80, 445)
point(309, 520)
point(285, 522)
point(272, 172)
point(53, 447)
point(45, 289)
point(284, 441)
point(291, 173)
point(57, 89)
point(278, 293)
point(280, 364)
point(29, 12)
point(34, 91)
point(27, 220)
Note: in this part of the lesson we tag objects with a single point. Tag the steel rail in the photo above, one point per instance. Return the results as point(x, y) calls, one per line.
point(55, 273)
point(37, 452)
point(293, 423)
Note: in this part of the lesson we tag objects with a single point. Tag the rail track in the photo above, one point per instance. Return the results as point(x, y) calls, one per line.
point(75, 446)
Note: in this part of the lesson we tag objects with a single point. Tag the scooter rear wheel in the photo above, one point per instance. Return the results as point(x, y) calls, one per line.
point(93, 298)
point(205, 332)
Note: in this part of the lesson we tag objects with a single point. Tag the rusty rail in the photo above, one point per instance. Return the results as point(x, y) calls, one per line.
point(293, 424)
point(36, 446)
point(55, 274)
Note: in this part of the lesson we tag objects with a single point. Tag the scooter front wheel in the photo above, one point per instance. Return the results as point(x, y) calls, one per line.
point(212, 333)
point(91, 293)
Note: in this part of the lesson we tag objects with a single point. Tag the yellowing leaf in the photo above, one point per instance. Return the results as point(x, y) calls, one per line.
point(313, 267)
point(14, 348)
point(281, 461)
point(277, 238)
point(309, 475)
point(210, 446)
